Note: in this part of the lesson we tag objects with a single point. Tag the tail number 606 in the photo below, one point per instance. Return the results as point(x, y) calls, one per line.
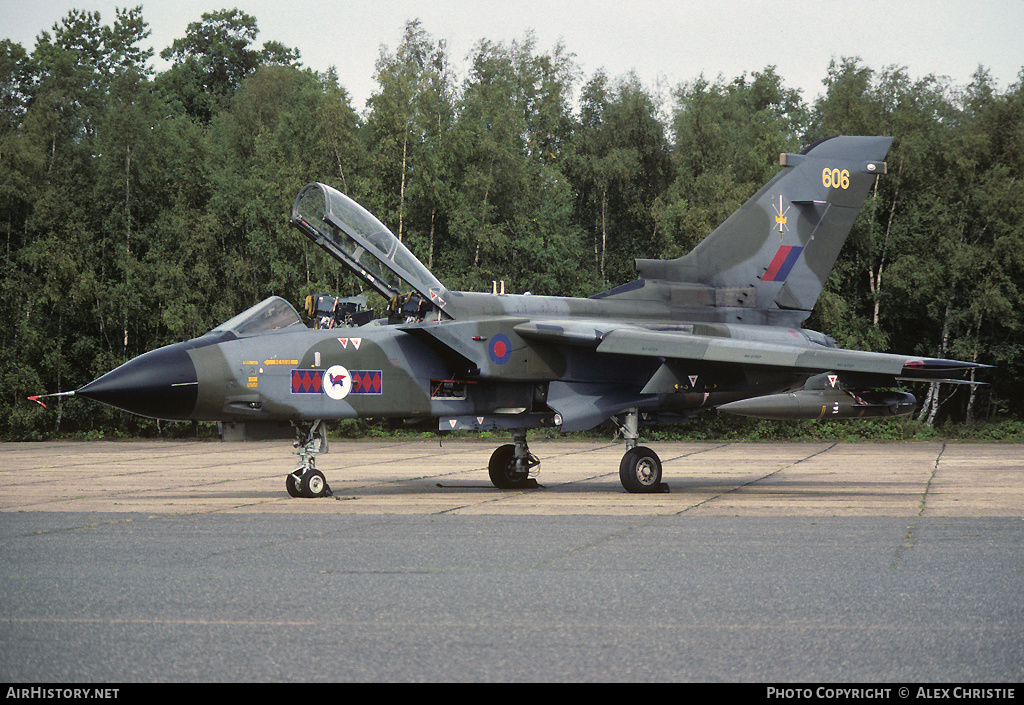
point(833, 178)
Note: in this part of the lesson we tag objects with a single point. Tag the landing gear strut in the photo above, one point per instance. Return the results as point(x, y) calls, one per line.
point(305, 480)
point(640, 467)
point(510, 465)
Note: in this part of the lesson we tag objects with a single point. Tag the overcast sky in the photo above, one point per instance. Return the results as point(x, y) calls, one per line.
point(665, 42)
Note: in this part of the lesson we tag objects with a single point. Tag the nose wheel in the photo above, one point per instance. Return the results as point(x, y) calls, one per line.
point(305, 480)
point(307, 483)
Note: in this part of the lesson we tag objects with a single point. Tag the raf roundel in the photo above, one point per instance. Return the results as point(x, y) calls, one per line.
point(500, 349)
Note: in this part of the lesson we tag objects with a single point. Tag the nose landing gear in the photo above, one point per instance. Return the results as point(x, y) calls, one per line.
point(305, 480)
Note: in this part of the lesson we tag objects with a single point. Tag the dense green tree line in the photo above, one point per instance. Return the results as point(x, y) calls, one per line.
point(140, 208)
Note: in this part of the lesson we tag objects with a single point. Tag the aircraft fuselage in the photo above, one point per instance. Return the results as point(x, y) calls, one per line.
point(484, 369)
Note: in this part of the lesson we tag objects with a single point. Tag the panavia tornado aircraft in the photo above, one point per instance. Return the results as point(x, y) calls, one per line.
point(716, 328)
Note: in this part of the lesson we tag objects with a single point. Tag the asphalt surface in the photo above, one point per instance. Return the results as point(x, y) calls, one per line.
point(125, 562)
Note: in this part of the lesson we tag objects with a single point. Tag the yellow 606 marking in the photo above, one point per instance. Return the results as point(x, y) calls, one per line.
point(833, 178)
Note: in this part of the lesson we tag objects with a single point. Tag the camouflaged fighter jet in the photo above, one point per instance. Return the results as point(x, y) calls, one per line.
point(716, 328)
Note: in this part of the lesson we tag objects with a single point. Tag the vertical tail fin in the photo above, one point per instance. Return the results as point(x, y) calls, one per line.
point(783, 242)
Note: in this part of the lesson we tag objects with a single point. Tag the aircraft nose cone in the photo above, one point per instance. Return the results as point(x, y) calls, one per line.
point(161, 384)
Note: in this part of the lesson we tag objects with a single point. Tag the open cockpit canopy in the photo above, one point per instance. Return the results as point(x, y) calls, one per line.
point(354, 237)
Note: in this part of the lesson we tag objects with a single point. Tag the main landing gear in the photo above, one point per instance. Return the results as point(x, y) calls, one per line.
point(305, 480)
point(639, 469)
point(510, 465)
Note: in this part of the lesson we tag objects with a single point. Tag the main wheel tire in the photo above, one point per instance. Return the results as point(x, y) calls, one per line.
point(640, 470)
point(313, 484)
point(292, 485)
point(502, 469)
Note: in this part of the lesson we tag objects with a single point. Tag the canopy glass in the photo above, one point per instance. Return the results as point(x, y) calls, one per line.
point(356, 238)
